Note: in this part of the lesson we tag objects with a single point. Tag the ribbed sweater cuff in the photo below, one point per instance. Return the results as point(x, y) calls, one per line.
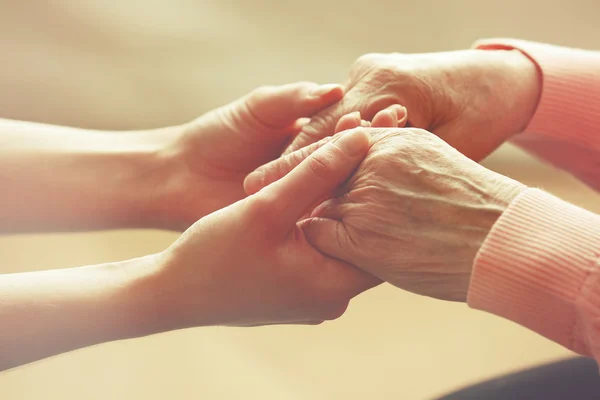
point(569, 107)
point(539, 268)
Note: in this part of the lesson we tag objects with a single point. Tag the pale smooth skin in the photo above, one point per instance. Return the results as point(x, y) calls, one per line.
point(473, 99)
point(246, 264)
point(67, 179)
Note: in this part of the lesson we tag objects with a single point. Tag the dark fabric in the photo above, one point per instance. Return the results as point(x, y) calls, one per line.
point(573, 379)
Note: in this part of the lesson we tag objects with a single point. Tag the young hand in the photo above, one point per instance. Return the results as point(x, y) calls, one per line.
point(250, 263)
point(210, 156)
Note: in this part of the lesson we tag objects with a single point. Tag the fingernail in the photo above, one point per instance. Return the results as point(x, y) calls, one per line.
point(401, 112)
point(353, 143)
point(324, 89)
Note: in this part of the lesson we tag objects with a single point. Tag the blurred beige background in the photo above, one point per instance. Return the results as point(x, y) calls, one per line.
point(121, 64)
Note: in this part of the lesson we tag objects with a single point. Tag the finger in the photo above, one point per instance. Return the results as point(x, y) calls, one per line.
point(280, 106)
point(280, 167)
point(385, 119)
point(348, 121)
point(299, 124)
point(333, 208)
point(391, 117)
point(321, 125)
point(323, 171)
point(293, 131)
point(402, 114)
point(331, 239)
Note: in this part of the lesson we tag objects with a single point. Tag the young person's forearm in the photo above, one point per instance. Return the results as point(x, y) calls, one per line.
point(60, 179)
point(51, 312)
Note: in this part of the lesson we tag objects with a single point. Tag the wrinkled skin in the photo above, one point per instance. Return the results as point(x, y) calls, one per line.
point(415, 214)
point(473, 99)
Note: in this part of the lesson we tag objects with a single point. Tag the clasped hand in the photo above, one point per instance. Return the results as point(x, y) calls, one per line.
point(414, 212)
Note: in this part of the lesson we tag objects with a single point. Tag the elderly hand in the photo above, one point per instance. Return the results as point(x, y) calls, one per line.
point(250, 263)
point(414, 214)
point(208, 158)
point(473, 99)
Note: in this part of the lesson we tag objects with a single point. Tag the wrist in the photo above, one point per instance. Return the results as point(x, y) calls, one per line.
point(528, 78)
point(149, 178)
point(499, 191)
point(175, 187)
point(137, 170)
point(502, 191)
point(64, 179)
point(138, 305)
point(174, 301)
point(524, 85)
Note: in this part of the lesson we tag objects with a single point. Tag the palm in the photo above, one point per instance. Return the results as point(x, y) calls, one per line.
point(228, 149)
point(223, 146)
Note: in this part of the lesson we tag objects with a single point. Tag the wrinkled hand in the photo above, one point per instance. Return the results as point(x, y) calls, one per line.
point(392, 116)
point(213, 154)
point(414, 214)
point(250, 263)
point(473, 99)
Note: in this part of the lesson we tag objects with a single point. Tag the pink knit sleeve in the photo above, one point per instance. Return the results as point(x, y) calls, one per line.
point(540, 267)
point(565, 129)
point(540, 264)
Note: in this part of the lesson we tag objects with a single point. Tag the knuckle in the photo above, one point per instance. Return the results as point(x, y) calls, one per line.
point(260, 93)
point(270, 173)
point(302, 154)
point(251, 115)
point(341, 237)
point(320, 165)
point(282, 167)
point(262, 204)
point(368, 59)
point(387, 72)
point(420, 141)
point(418, 133)
point(320, 126)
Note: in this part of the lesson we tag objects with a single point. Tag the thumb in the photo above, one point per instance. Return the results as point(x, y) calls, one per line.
point(321, 125)
point(280, 106)
point(330, 237)
point(316, 177)
point(280, 167)
point(276, 169)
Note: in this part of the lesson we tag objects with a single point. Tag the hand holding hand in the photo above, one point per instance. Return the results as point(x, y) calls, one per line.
point(414, 214)
point(250, 264)
point(473, 99)
point(210, 156)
